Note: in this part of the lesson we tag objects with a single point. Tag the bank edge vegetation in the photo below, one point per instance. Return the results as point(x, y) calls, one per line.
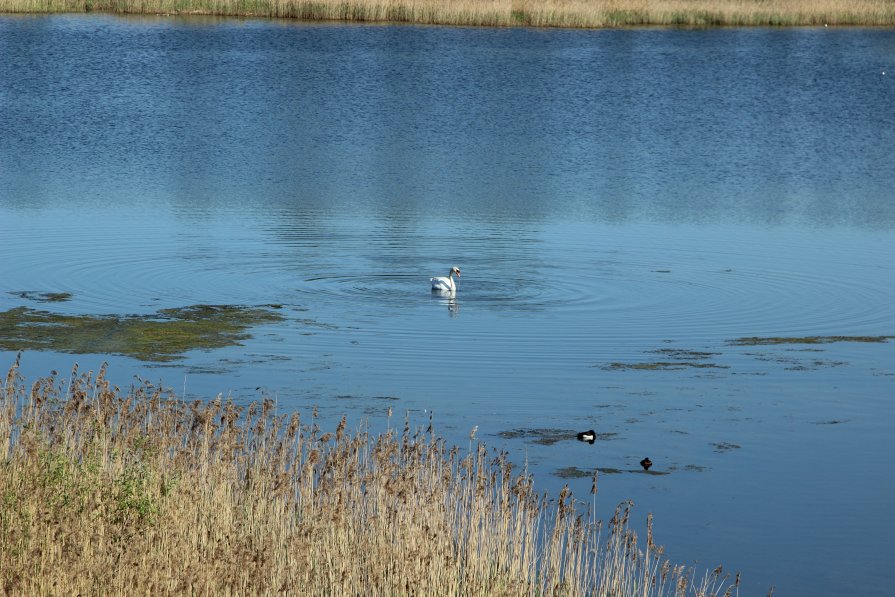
point(540, 13)
point(107, 492)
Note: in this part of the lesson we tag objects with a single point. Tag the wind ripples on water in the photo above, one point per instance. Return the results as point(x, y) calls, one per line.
point(634, 285)
point(612, 197)
point(104, 272)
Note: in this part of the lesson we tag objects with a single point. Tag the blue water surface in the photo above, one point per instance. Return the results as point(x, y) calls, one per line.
point(615, 199)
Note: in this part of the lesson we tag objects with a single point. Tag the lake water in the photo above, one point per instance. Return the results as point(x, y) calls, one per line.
point(616, 200)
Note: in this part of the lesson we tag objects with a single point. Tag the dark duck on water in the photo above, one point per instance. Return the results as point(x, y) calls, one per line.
point(587, 436)
point(646, 463)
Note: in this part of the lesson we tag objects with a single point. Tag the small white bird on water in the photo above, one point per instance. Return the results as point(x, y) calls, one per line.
point(446, 283)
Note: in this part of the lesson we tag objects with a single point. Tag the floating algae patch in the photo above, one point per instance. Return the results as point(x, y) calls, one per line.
point(724, 446)
point(548, 437)
point(674, 359)
point(544, 437)
point(573, 472)
point(688, 355)
point(775, 340)
point(815, 365)
point(162, 336)
point(662, 366)
point(42, 297)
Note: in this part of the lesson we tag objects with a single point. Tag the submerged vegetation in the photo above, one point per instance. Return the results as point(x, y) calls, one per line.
point(573, 472)
point(43, 297)
point(777, 340)
point(548, 437)
point(539, 13)
point(162, 336)
point(680, 359)
point(662, 366)
point(107, 492)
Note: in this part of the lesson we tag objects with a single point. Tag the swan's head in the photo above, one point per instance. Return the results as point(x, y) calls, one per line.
point(455, 270)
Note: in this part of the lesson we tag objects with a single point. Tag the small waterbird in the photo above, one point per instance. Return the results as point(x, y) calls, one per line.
point(646, 463)
point(446, 283)
point(587, 436)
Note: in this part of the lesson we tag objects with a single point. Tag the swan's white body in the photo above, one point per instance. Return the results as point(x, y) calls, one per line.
point(446, 283)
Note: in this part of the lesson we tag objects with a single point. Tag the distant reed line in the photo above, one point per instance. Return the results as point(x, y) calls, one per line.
point(111, 492)
point(507, 13)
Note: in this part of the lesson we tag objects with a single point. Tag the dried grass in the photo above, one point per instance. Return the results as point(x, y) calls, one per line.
point(542, 13)
point(104, 491)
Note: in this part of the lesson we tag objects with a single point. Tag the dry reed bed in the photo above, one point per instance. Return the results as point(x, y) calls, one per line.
point(544, 13)
point(110, 492)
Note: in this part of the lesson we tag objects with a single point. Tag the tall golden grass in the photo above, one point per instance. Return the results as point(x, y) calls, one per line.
point(541, 13)
point(104, 491)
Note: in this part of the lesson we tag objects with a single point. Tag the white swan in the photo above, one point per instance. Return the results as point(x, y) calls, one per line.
point(446, 283)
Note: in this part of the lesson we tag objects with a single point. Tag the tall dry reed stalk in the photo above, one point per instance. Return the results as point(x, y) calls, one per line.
point(542, 13)
point(105, 491)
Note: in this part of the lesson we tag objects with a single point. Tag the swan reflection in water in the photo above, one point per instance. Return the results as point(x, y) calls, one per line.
point(449, 299)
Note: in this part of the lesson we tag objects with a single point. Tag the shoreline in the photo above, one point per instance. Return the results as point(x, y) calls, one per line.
point(114, 492)
point(502, 13)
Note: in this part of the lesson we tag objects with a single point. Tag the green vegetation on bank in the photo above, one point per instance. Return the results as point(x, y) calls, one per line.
point(540, 13)
point(162, 336)
point(109, 493)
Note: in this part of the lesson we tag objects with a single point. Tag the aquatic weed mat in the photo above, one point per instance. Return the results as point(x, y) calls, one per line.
point(162, 336)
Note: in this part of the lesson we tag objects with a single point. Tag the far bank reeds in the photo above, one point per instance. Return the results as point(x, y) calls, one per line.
point(507, 13)
point(106, 492)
